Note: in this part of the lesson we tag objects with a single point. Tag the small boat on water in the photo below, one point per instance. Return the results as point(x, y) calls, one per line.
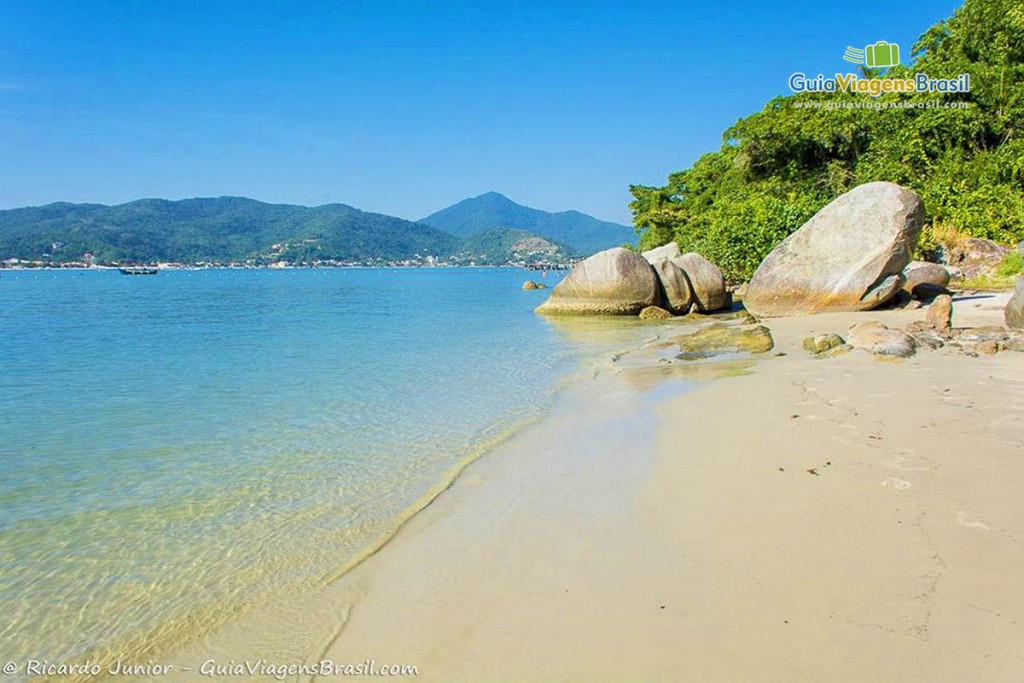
point(138, 270)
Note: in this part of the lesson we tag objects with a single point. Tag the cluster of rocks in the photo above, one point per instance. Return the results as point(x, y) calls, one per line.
point(655, 285)
point(972, 257)
point(530, 284)
point(853, 255)
point(934, 332)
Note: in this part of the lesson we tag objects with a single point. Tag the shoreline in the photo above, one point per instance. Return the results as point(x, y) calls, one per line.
point(200, 610)
point(638, 540)
point(237, 633)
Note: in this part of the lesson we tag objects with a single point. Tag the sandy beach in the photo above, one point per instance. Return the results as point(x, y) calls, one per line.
point(799, 519)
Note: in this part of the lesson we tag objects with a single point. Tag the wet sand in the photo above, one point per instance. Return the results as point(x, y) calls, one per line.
point(795, 519)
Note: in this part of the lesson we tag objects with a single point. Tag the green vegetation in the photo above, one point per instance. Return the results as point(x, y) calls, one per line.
point(581, 233)
point(218, 229)
point(777, 167)
point(1003, 277)
point(502, 245)
point(1012, 266)
point(240, 230)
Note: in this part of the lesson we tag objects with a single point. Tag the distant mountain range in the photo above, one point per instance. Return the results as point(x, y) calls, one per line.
point(487, 229)
point(582, 233)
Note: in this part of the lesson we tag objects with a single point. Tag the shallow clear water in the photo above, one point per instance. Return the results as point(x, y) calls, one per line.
point(178, 447)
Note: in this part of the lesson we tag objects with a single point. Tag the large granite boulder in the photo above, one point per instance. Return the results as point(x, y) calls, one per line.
point(675, 286)
point(848, 257)
point(1015, 306)
point(925, 280)
point(670, 250)
point(707, 282)
point(612, 282)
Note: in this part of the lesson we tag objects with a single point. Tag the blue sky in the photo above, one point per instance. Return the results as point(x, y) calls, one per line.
point(398, 107)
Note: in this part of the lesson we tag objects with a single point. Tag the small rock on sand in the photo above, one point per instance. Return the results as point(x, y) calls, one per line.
point(825, 344)
point(1015, 306)
point(925, 336)
point(655, 313)
point(720, 338)
point(940, 314)
point(987, 348)
point(880, 340)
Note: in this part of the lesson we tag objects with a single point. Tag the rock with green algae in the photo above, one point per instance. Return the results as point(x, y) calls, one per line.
point(719, 338)
point(655, 313)
point(825, 345)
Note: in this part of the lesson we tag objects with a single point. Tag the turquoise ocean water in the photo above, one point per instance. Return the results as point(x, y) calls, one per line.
point(179, 447)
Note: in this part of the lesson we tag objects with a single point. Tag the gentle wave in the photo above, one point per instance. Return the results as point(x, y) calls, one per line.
point(183, 447)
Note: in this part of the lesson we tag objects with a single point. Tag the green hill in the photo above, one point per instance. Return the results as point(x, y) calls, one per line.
point(581, 233)
point(214, 229)
point(962, 152)
point(503, 245)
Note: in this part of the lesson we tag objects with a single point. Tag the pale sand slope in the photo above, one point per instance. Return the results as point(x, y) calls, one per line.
point(589, 559)
point(664, 537)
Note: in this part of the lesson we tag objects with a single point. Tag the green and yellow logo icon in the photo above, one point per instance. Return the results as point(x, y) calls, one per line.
point(879, 55)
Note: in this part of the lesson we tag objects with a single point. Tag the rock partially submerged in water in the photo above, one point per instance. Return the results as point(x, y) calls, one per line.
point(655, 313)
point(847, 257)
point(719, 338)
point(530, 284)
point(1014, 311)
point(622, 282)
point(612, 282)
point(876, 338)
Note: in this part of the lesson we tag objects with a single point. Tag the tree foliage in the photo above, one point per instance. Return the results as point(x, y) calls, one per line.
point(777, 167)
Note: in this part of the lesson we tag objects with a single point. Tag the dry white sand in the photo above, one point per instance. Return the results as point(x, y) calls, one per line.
point(842, 519)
